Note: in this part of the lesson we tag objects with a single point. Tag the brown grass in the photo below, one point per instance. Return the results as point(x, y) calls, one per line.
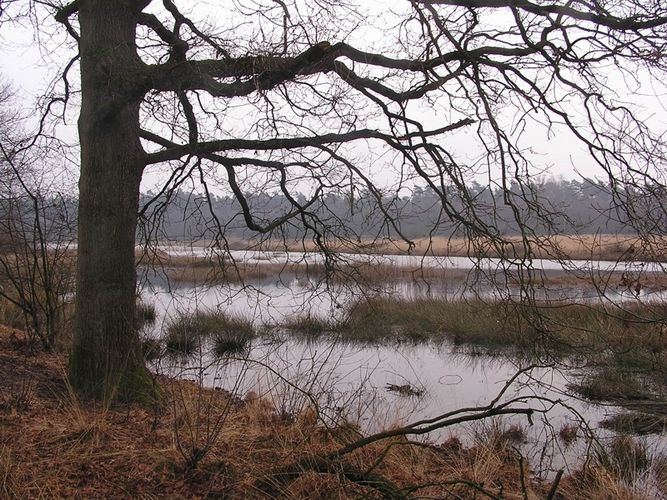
point(584, 246)
point(601, 247)
point(185, 269)
point(10, 314)
point(53, 446)
point(566, 327)
point(197, 270)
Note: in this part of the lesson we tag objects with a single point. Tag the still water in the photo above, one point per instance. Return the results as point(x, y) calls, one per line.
point(352, 381)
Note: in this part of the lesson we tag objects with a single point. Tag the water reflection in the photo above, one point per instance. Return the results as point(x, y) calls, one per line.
point(349, 381)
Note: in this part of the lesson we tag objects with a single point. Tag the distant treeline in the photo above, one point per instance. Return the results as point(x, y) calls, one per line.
point(551, 206)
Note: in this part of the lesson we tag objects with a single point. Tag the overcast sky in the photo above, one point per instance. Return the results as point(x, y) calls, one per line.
point(32, 66)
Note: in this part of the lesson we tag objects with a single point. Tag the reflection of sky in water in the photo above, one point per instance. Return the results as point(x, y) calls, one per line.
point(482, 271)
point(426, 261)
point(351, 380)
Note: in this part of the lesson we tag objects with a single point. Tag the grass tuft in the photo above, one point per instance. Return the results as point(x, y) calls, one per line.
point(636, 423)
point(381, 319)
point(625, 458)
point(186, 332)
point(610, 384)
point(151, 348)
point(307, 326)
point(230, 334)
point(146, 314)
point(488, 324)
point(568, 434)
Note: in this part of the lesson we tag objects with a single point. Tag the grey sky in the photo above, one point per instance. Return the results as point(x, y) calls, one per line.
point(32, 67)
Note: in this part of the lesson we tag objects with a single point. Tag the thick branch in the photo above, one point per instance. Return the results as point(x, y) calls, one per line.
point(64, 13)
point(179, 47)
point(357, 82)
point(173, 152)
point(265, 72)
point(180, 18)
point(203, 148)
point(229, 164)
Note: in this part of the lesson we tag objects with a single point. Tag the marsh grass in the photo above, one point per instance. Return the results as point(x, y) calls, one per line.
point(636, 423)
point(621, 470)
point(625, 346)
point(308, 326)
point(475, 322)
point(152, 348)
point(369, 273)
point(382, 319)
point(611, 384)
point(568, 434)
point(189, 332)
point(581, 246)
point(194, 269)
point(630, 337)
point(180, 339)
point(145, 314)
point(625, 457)
point(497, 434)
point(232, 336)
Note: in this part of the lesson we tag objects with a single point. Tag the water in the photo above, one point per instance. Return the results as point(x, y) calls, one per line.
point(423, 261)
point(502, 272)
point(351, 381)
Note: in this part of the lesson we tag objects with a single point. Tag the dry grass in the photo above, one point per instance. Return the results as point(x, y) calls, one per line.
point(55, 446)
point(198, 270)
point(633, 335)
point(184, 269)
point(190, 269)
point(10, 314)
point(584, 246)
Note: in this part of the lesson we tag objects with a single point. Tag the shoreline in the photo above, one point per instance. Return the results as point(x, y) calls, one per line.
point(56, 446)
point(604, 247)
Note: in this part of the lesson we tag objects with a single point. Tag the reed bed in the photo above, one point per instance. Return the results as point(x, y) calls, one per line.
point(572, 246)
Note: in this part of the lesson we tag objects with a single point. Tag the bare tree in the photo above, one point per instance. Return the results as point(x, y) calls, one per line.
point(37, 233)
point(325, 90)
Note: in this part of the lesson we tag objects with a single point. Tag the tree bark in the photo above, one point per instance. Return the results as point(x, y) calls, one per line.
point(106, 362)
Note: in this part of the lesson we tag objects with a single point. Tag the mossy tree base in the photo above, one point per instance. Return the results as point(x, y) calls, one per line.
point(125, 385)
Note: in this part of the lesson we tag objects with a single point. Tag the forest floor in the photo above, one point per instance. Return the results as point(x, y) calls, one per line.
point(202, 443)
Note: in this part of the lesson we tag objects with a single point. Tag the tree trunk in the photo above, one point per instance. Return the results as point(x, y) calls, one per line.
point(106, 362)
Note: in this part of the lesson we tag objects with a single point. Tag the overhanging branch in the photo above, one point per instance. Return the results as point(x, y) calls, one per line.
point(174, 151)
